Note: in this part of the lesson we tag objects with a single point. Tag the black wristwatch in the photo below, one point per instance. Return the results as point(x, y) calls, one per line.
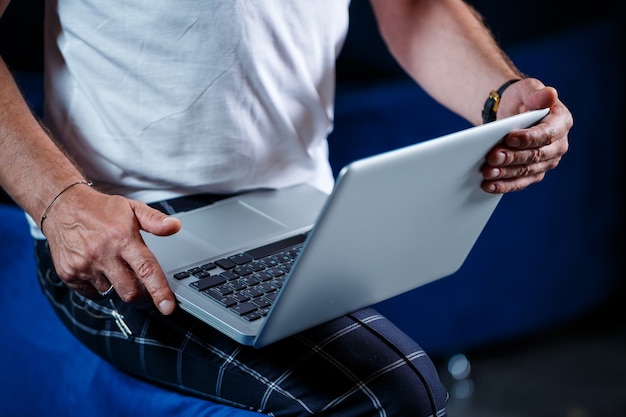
point(493, 101)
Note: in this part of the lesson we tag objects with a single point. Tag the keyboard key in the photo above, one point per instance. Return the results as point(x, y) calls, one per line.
point(202, 274)
point(209, 266)
point(254, 316)
point(244, 270)
point(230, 275)
point(269, 262)
point(263, 276)
point(277, 282)
point(208, 282)
point(223, 289)
point(237, 285)
point(244, 308)
point(225, 264)
point(266, 287)
point(282, 257)
point(276, 271)
point(253, 292)
point(250, 281)
point(257, 266)
point(226, 301)
point(182, 275)
point(240, 296)
point(261, 302)
point(241, 258)
point(272, 248)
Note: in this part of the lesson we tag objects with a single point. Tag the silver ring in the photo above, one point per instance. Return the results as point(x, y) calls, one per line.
point(107, 292)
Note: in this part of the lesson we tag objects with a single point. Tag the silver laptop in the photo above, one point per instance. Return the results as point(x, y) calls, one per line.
point(267, 264)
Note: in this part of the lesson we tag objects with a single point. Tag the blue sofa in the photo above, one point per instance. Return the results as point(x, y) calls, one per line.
point(549, 253)
point(46, 372)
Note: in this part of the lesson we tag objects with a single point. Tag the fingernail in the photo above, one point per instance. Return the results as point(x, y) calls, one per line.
point(492, 173)
point(169, 221)
point(166, 307)
point(500, 158)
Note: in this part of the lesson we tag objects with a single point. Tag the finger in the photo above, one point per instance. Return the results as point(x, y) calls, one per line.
point(85, 289)
point(84, 284)
point(534, 137)
point(103, 286)
point(149, 274)
point(107, 292)
point(546, 157)
point(126, 284)
point(508, 185)
point(524, 170)
point(95, 290)
point(154, 221)
point(507, 163)
point(541, 98)
point(528, 94)
point(552, 129)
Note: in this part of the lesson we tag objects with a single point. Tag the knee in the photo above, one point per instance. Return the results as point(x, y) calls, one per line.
point(416, 391)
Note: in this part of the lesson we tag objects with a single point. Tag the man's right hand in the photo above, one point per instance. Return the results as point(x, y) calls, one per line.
point(95, 243)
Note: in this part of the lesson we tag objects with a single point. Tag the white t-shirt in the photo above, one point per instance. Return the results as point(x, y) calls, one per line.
point(158, 98)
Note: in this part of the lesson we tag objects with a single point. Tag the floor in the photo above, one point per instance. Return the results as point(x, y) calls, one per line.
point(577, 370)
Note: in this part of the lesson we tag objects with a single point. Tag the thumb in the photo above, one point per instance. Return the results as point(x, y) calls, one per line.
point(153, 221)
point(545, 97)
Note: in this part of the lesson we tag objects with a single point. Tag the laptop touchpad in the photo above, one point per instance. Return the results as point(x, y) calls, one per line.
point(230, 224)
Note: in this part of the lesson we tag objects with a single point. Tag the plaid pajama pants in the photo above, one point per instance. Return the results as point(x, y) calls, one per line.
point(356, 365)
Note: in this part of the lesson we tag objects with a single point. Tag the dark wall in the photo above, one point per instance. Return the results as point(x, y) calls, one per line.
point(21, 35)
point(511, 22)
point(21, 46)
point(365, 57)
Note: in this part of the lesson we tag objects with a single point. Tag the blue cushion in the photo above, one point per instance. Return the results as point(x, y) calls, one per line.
point(45, 371)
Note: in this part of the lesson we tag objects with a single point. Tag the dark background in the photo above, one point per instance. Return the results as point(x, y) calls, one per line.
point(364, 57)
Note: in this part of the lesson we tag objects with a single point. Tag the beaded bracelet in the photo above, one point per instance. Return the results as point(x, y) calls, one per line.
point(45, 213)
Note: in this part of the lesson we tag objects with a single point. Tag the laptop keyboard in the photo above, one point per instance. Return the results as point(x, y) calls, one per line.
point(247, 283)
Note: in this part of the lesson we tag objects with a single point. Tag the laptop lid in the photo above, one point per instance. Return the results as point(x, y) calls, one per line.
point(394, 222)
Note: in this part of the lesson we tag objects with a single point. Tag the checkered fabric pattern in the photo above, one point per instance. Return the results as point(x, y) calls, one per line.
point(357, 365)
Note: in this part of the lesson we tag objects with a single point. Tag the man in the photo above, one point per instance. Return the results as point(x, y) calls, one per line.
point(164, 100)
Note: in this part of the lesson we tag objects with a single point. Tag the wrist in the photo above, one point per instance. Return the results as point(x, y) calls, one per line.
point(54, 200)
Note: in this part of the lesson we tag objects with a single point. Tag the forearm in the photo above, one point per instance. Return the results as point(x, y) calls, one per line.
point(446, 48)
point(32, 168)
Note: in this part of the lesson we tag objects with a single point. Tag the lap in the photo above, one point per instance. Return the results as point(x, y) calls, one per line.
point(356, 365)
